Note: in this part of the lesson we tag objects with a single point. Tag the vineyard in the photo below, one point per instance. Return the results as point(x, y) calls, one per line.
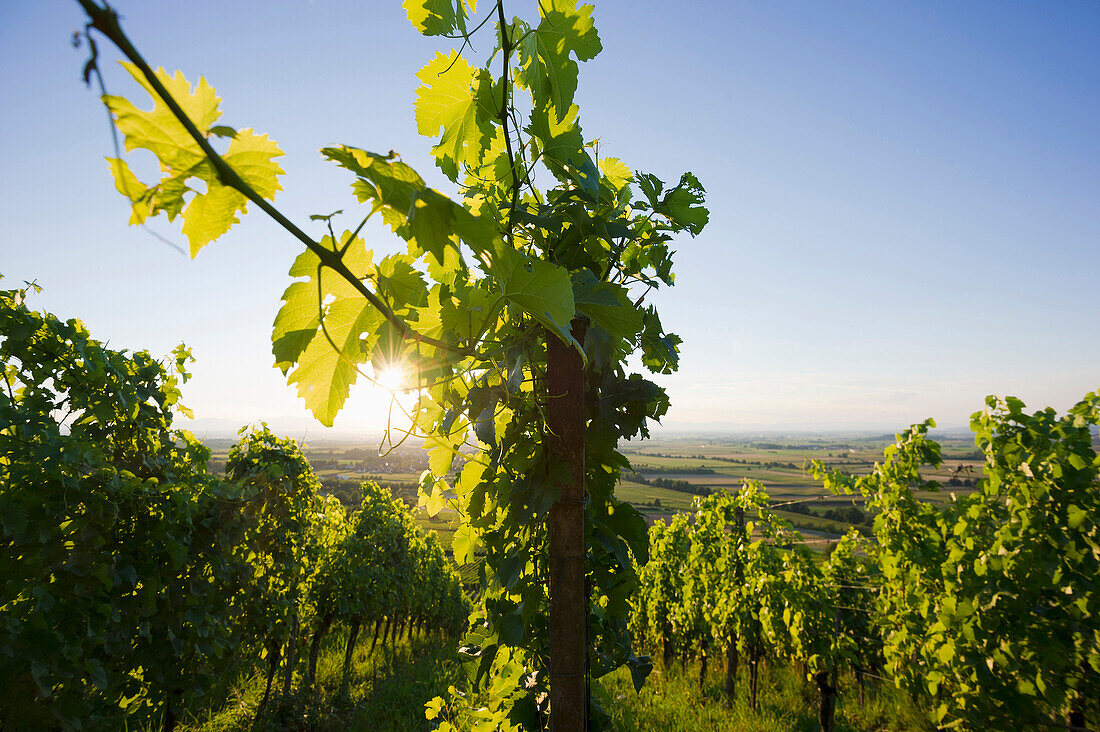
point(137, 586)
point(982, 608)
point(537, 565)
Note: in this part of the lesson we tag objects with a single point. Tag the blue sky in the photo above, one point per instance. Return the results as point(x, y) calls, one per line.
point(905, 197)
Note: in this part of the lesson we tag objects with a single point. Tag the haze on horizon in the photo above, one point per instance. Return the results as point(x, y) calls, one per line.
point(905, 198)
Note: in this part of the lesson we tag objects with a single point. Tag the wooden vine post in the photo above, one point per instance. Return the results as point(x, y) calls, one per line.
point(568, 601)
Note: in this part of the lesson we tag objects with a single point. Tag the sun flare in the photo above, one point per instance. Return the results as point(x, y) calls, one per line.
point(391, 379)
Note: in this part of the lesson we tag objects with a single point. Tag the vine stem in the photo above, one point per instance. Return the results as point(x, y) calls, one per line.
point(505, 85)
point(105, 20)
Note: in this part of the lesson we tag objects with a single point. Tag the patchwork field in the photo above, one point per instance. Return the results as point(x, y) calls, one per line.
point(669, 471)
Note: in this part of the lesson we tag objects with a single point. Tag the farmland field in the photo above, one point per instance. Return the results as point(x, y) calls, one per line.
point(668, 472)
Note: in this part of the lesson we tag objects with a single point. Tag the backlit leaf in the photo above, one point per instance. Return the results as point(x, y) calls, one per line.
point(439, 17)
point(547, 69)
point(455, 98)
point(539, 288)
point(213, 207)
point(328, 357)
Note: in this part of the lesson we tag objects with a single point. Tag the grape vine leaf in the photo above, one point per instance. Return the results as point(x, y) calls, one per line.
point(209, 213)
point(388, 184)
point(158, 130)
point(326, 350)
point(440, 459)
point(400, 285)
point(683, 205)
point(439, 17)
point(660, 350)
point(424, 217)
point(537, 287)
point(615, 172)
point(546, 68)
point(463, 543)
point(458, 98)
point(606, 304)
point(562, 147)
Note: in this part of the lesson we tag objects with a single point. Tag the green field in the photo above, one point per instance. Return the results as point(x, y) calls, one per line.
point(781, 464)
point(706, 463)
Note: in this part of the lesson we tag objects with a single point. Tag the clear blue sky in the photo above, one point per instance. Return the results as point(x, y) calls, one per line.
point(905, 197)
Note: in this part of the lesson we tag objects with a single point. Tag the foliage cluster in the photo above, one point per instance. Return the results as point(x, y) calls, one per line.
point(134, 583)
point(984, 607)
point(734, 580)
point(545, 232)
point(989, 603)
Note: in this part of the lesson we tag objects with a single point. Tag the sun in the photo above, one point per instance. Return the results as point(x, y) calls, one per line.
point(391, 378)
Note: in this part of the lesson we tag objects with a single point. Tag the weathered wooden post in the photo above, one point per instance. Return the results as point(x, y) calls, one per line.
point(568, 604)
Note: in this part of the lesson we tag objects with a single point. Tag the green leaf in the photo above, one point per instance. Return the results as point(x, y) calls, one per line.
point(660, 350)
point(296, 322)
point(484, 425)
point(683, 205)
point(541, 289)
point(511, 628)
point(222, 131)
point(425, 218)
point(457, 99)
point(158, 130)
point(640, 668)
point(435, 501)
point(606, 304)
point(433, 708)
point(389, 184)
point(128, 185)
point(651, 187)
point(546, 68)
point(327, 361)
point(562, 146)
point(250, 155)
point(510, 569)
point(1075, 516)
point(431, 223)
point(210, 213)
point(400, 285)
point(463, 543)
point(440, 460)
point(439, 17)
point(615, 172)
point(626, 522)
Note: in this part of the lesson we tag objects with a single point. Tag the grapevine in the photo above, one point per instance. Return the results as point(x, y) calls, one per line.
point(137, 584)
point(487, 288)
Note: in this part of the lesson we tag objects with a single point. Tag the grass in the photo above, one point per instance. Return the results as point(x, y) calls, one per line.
point(640, 494)
point(387, 690)
point(671, 700)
